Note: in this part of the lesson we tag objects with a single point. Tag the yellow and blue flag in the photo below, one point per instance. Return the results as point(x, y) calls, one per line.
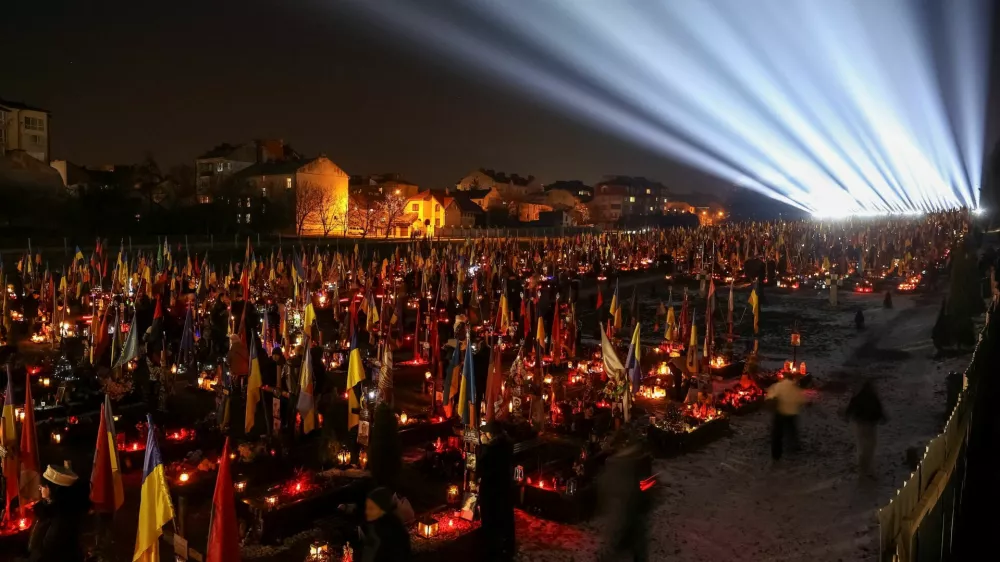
point(307, 400)
point(155, 508)
point(633, 359)
point(355, 374)
point(467, 392)
point(253, 385)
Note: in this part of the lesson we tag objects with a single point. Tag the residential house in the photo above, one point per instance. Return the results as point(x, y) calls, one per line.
point(306, 192)
point(215, 167)
point(606, 206)
point(426, 209)
point(581, 191)
point(24, 127)
point(708, 209)
point(486, 198)
point(642, 197)
point(384, 184)
point(510, 187)
point(461, 211)
point(559, 217)
point(531, 209)
point(78, 179)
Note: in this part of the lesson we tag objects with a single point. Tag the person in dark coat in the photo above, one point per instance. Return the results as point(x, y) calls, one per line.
point(623, 504)
point(865, 411)
point(385, 536)
point(59, 516)
point(496, 472)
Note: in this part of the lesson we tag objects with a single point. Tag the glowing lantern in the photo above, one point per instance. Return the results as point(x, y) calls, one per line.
point(23, 523)
point(802, 368)
point(427, 375)
point(403, 418)
point(344, 456)
point(56, 437)
point(663, 369)
point(428, 527)
point(319, 550)
point(19, 414)
point(519, 473)
point(271, 500)
point(796, 339)
point(46, 381)
point(240, 486)
point(548, 379)
point(363, 459)
point(184, 477)
point(452, 494)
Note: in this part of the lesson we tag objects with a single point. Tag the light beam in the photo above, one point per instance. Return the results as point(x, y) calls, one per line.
point(837, 107)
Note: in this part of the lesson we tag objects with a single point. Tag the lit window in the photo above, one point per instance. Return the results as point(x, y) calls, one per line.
point(248, 202)
point(218, 167)
point(238, 217)
point(248, 218)
point(648, 191)
point(416, 207)
point(650, 208)
point(631, 199)
point(263, 192)
point(437, 222)
point(288, 183)
point(437, 208)
point(229, 165)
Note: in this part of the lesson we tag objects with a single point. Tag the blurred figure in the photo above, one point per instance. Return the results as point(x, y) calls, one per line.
point(496, 469)
point(622, 503)
point(865, 411)
point(59, 516)
point(787, 400)
point(385, 537)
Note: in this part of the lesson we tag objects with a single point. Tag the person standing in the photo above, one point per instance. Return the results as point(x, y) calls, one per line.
point(865, 412)
point(496, 470)
point(787, 400)
point(623, 505)
point(59, 515)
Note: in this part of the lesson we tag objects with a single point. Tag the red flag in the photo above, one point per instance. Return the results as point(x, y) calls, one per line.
point(158, 313)
point(600, 298)
point(223, 533)
point(30, 475)
point(106, 490)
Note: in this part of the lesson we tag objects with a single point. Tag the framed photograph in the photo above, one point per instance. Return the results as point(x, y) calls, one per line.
point(363, 429)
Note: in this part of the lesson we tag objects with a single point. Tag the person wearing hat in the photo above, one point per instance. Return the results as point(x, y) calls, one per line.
point(385, 536)
point(58, 517)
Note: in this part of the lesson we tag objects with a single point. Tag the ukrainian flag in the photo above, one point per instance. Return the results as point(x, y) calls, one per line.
point(355, 374)
point(253, 385)
point(307, 401)
point(467, 392)
point(155, 509)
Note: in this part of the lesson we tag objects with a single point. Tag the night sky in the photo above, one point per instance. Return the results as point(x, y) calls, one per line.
point(176, 78)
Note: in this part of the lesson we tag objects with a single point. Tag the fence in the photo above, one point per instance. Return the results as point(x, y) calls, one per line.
point(919, 523)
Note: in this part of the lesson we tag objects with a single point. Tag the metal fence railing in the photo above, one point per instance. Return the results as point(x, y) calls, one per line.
point(919, 523)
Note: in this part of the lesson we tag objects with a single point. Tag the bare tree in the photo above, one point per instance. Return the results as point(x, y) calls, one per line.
point(308, 205)
point(391, 208)
point(329, 218)
point(362, 215)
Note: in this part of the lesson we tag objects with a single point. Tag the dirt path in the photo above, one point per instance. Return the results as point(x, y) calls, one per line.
point(731, 502)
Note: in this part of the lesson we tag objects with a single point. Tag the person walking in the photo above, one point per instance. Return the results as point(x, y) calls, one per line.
point(496, 468)
point(787, 399)
point(865, 412)
point(385, 537)
point(59, 516)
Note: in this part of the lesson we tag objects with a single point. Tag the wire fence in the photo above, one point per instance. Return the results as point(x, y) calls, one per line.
point(919, 524)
